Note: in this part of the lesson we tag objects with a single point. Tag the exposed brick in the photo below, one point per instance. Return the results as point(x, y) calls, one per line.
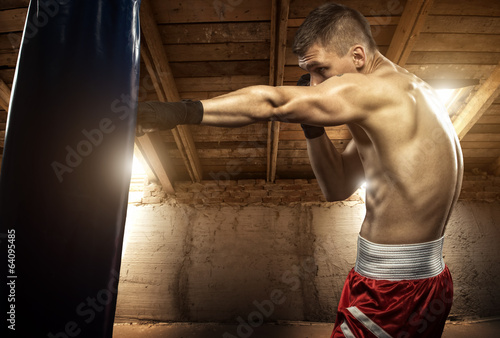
point(196, 187)
point(211, 200)
point(184, 195)
point(492, 189)
point(475, 177)
point(152, 187)
point(254, 199)
point(260, 182)
point(235, 188)
point(310, 199)
point(487, 196)
point(281, 193)
point(246, 182)
point(240, 194)
point(293, 187)
point(184, 200)
point(273, 186)
point(300, 181)
point(464, 195)
point(182, 185)
point(151, 200)
point(259, 193)
point(283, 182)
point(290, 199)
point(225, 183)
point(234, 200)
point(160, 194)
point(271, 200)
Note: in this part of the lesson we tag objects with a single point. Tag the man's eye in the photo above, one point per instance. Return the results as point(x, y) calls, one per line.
point(321, 70)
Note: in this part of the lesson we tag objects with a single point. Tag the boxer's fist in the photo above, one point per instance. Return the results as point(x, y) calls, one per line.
point(153, 115)
point(304, 80)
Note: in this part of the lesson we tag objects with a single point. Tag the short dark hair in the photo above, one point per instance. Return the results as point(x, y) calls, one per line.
point(335, 27)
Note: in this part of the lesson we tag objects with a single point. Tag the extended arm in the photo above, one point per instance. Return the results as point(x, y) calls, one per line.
point(324, 105)
point(339, 100)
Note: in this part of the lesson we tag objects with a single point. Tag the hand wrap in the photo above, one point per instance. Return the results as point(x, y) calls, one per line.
point(166, 115)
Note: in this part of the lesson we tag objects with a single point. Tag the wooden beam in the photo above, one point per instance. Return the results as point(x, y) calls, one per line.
point(150, 146)
point(146, 166)
point(4, 96)
point(279, 26)
point(158, 67)
point(409, 28)
point(478, 104)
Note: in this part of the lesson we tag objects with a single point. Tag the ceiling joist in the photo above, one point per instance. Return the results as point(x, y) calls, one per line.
point(279, 26)
point(409, 28)
point(158, 67)
point(478, 104)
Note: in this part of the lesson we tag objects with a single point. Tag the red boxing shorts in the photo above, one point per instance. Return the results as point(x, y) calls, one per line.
point(397, 291)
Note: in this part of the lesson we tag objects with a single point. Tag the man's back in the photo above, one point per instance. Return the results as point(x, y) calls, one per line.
point(412, 163)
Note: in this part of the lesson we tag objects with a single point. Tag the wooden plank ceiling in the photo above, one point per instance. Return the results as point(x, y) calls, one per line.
point(198, 49)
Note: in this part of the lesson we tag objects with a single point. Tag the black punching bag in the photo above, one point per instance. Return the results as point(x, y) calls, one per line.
point(66, 168)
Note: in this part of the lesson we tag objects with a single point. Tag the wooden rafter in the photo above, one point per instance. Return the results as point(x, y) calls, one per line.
point(151, 146)
point(4, 96)
point(158, 67)
point(409, 28)
point(279, 26)
point(478, 104)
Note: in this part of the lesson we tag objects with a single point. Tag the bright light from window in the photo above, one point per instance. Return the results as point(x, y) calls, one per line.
point(137, 168)
point(446, 95)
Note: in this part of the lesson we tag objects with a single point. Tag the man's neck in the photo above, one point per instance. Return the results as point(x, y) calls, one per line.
point(374, 63)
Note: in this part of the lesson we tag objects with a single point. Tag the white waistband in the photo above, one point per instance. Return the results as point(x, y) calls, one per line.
point(399, 261)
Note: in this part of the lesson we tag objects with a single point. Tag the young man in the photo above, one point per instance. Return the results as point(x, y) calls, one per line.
point(404, 146)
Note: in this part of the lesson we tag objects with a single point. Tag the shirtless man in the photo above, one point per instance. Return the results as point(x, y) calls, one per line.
point(404, 146)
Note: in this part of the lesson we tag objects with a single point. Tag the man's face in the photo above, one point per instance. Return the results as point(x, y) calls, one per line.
point(322, 64)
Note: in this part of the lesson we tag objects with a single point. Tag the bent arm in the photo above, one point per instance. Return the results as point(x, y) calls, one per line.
point(339, 175)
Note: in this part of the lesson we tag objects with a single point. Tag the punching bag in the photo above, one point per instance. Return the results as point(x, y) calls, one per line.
point(66, 167)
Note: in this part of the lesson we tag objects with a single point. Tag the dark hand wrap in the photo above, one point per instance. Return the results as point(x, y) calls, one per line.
point(167, 115)
point(309, 131)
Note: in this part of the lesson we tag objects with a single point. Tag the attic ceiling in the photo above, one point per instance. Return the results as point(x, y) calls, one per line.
point(198, 49)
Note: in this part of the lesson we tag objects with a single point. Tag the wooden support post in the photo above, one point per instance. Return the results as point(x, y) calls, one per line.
point(409, 28)
point(158, 67)
point(478, 104)
point(150, 147)
point(279, 26)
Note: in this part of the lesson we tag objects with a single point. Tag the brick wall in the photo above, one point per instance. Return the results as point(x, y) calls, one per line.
point(475, 187)
point(241, 192)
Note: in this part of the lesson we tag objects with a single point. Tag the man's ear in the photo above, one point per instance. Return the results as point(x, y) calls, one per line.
point(358, 56)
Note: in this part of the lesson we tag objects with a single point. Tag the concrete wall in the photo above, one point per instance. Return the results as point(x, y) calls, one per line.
point(213, 262)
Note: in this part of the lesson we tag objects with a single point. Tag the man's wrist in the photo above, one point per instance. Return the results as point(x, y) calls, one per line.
point(194, 112)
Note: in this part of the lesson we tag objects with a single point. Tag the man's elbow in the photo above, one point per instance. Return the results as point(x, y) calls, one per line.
point(336, 196)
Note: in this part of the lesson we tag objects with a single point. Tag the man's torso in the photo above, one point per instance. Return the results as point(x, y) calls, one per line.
point(412, 162)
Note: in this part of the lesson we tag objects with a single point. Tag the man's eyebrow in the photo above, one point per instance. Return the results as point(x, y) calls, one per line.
point(308, 66)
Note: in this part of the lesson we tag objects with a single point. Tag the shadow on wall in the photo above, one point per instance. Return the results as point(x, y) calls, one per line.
point(241, 264)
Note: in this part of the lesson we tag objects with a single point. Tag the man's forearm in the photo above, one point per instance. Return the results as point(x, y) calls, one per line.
point(327, 164)
point(240, 108)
